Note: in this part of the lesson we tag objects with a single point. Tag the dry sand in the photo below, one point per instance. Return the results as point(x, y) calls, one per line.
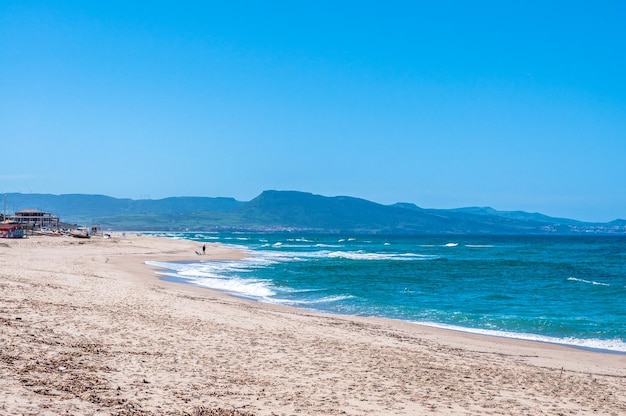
point(86, 328)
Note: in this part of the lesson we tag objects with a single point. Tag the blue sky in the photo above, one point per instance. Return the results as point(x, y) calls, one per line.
point(517, 105)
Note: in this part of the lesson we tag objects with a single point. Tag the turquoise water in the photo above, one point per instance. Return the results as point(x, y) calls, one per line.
point(568, 290)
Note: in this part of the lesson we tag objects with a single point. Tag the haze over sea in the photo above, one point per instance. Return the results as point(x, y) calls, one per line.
point(561, 289)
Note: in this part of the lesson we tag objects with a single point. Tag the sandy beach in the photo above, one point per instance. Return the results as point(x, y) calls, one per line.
point(87, 328)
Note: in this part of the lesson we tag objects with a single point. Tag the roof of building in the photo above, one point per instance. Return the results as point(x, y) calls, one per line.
point(4, 226)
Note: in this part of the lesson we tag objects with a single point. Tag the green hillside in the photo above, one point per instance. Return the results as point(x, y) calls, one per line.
point(296, 211)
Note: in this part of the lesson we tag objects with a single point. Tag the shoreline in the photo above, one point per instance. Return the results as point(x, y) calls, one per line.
point(528, 337)
point(90, 328)
point(465, 333)
point(436, 326)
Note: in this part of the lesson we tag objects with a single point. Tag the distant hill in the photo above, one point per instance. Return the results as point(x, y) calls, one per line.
point(342, 214)
point(518, 215)
point(89, 208)
point(297, 211)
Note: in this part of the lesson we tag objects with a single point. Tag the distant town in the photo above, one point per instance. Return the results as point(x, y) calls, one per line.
point(32, 221)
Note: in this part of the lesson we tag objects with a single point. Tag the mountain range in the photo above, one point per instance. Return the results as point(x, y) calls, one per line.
point(284, 211)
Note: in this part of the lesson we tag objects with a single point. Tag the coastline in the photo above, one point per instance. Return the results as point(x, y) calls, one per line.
point(435, 326)
point(90, 328)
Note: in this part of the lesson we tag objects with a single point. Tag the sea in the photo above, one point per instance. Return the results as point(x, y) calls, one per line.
point(567, 290)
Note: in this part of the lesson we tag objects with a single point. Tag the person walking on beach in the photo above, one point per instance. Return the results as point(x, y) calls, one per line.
point(203, 249)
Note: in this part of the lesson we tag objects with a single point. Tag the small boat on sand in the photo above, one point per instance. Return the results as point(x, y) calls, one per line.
point(79, 233)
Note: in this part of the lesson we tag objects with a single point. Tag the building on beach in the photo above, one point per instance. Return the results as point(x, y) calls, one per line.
point(11, 231)
point(33, 218)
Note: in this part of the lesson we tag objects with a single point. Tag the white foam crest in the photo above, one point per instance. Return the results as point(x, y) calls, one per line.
point(205, 236)
point(271, 257)
point(221, 275)
point(174, 236)
point(218, 269)
point(616, 345)
point(169, 266)
point(451, 244)
point(292, 290)
point(297, 246)
point(260, 289)
point(198, 274)
point(239, 247)
point(360, 255)
point(590, 282)
point(205, 267)
point(327, 299)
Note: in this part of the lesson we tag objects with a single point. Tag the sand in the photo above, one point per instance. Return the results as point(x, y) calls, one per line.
point(87, 328)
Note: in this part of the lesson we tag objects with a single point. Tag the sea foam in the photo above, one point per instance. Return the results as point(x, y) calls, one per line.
point(590, 282)
point(610, 345)
point(360, 255)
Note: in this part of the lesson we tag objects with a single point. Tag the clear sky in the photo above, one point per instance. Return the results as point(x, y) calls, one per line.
point(517, 105)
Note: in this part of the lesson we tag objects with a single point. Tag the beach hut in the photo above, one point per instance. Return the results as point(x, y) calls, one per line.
point(11, 231)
